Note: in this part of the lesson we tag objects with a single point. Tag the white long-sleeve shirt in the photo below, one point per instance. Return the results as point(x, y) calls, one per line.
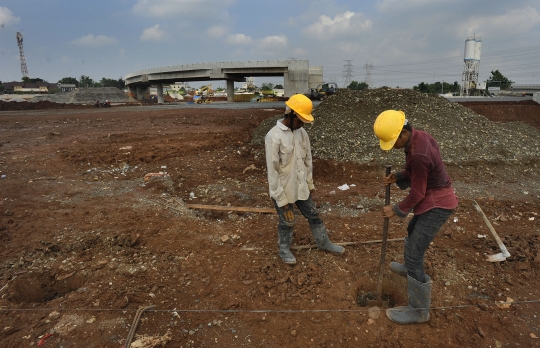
point(289, 163)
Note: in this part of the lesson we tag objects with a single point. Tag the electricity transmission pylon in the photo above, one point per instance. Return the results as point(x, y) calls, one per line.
point(368, 67)
point(24, 69)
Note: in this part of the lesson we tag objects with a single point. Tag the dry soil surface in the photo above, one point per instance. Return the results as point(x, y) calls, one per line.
point(89, 238)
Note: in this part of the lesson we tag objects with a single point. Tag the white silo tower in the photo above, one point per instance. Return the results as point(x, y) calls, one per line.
point(469, 81)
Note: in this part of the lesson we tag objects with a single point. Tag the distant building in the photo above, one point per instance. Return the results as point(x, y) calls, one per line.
point(29, 87)
point(67, 87)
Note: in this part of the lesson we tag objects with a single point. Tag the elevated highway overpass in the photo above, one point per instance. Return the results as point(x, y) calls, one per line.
point(298, 76)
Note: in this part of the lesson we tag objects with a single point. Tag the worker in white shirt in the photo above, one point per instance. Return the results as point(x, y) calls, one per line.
point(290, 177)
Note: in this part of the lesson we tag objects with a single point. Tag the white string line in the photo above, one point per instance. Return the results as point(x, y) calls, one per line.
point(256, 310)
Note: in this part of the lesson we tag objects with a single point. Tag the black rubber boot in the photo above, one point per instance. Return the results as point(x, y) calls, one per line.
point(417, 311)
point(397, 267)
point(285, 234)
point(322, 240)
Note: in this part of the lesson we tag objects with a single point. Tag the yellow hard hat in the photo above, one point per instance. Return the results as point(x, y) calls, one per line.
point(388, 126)
point(302, 106)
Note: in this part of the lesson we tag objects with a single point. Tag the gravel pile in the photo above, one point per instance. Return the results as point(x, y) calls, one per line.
point(343, 129)
point(87, 96)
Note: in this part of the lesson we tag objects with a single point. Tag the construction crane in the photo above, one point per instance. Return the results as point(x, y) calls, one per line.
point(24, 69)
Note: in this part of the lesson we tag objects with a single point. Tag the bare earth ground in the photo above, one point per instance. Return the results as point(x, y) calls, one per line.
point(86, 241)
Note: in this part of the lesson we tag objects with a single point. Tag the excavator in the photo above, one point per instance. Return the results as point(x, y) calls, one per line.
point(201, 96)
point(322, 91)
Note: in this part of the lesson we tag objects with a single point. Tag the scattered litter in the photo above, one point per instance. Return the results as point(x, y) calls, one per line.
point(344, 187)
point(455, 219)
point(43, 339)
point(155, 175)
point(531, 218)
point(482, 236)
point(353, 185)
point(163, 167)
point(332, 192)
point(504, 304)
point(192, 195)
point(126, 148)
point(251, 167)
point(3, 176)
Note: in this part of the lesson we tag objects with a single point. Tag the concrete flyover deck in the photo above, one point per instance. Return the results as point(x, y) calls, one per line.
point(298, 76)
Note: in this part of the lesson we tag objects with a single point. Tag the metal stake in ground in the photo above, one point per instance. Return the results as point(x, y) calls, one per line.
point(384, 239)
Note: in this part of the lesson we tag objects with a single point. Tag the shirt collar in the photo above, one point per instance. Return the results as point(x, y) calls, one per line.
point(282, 126)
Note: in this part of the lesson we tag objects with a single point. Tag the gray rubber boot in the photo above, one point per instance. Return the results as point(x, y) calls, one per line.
point(322, 240)
point(417, 311)
point(397, 267)
point(285, 234)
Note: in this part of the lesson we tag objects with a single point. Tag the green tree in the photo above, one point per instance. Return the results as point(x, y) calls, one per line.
point(86, 81)
point(267, 86)
point(69, 81)
point(437, 87)
point(29, 80)
point(1, 87)
point(498, 80)
point(355, 85)
point(278, 86)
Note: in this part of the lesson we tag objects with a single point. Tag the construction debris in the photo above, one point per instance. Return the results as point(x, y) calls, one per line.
point(343, 129)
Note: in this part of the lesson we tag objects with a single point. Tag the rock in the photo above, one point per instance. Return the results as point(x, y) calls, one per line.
point(374, 312)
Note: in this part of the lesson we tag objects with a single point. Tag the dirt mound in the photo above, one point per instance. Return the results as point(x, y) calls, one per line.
point(39, 105)
point(343, 129)
point(88, 96)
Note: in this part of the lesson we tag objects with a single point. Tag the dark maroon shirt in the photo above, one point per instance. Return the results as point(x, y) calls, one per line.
point(431, 186)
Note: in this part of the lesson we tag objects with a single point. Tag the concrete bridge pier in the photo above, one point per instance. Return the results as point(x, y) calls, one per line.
point(139, 92)
point(133, 91)
point(230, 90)
point(159, 86)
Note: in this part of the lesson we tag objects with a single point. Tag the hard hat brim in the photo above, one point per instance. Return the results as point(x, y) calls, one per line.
point(387, 145)
point(305, 118)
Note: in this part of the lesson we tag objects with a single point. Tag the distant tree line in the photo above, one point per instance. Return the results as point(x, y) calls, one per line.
point(86, 81)
point(437, 87)
point(355, 85)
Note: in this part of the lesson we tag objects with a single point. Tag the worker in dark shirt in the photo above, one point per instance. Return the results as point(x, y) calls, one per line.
point(431, 198)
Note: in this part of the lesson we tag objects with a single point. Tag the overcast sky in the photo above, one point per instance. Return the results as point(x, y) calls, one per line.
point(405, 41)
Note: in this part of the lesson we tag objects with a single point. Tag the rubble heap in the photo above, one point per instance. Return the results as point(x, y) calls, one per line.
point(87, 96)
point(343, 129)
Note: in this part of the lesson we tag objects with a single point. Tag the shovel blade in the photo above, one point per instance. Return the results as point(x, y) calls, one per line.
point(496, 258)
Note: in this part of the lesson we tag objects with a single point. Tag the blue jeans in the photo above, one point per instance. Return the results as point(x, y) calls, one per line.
point(421, 230)
point(307, 208)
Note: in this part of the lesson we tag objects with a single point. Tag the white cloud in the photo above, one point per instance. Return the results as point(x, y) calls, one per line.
point(275, 41)
point(7, 18)
point(181, 9)
point(152, 34)
point(239, 39)
point(347, 23)
point(66, 59)
point(95, 41)
point(514, 21)
point(216, 31)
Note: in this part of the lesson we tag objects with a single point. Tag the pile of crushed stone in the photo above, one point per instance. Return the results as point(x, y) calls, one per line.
point(343, 129)
point(88, 96)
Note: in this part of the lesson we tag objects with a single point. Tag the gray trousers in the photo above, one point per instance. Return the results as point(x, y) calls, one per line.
point(421, 230)
point(307, 208)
